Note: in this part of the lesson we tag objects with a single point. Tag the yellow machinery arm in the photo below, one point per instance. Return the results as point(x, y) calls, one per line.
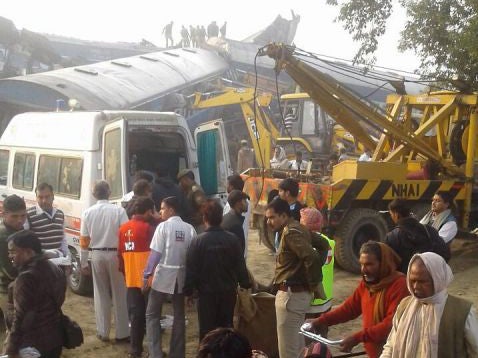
point(350, 111)
point(260, 126)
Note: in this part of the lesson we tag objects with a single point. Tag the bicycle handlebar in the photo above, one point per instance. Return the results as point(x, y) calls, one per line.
point(318, 337)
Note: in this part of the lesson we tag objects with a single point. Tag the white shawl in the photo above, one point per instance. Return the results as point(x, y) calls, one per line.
point(417, 330)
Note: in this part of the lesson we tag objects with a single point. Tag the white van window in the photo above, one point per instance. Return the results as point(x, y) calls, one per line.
point(63, 174)
point(70, 177)
point(4, 156)
point(23, 169)
point(49, 170)
point(113, 162)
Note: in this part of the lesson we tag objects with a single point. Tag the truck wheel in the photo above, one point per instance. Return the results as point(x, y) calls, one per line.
point(356, 228)
point(79, 284)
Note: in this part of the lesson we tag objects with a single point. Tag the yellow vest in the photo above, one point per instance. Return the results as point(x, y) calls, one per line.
point(328, 275)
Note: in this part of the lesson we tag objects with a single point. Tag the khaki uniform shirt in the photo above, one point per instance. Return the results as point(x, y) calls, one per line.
point(294, 255)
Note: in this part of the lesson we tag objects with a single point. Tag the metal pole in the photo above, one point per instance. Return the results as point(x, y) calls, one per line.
point(469, 167)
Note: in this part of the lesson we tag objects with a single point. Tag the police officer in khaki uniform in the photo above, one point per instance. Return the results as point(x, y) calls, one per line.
point(195, 197)
point(294, 256)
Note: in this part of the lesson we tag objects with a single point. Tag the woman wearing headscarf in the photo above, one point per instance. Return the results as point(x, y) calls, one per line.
point(431, 323)
point(279, 160)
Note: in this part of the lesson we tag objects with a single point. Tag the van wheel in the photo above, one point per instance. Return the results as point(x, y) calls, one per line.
point(79, 284)
point(357, 227)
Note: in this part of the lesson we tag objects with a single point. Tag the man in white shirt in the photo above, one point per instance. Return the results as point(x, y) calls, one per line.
point(99, 234)
point(167, 260)
point(366, 156)
point(430, 322)
point(441, 217)
point(298, 163)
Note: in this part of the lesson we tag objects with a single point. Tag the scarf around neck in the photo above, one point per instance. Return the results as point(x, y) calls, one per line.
point(417, 330)
point(388, 274)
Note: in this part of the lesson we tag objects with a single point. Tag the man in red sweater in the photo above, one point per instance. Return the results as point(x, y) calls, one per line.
point(376, 299)
point(133, 252)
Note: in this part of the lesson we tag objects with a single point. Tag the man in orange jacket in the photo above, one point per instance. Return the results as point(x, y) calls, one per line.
point(133, 251)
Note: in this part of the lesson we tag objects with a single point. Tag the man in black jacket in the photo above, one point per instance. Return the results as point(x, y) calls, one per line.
point(289, 191)
point(409, 236)
point(233, 221)
point(214, 266)
point(38, 296)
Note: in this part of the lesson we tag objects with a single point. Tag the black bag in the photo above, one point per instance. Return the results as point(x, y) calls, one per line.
point(72, 332)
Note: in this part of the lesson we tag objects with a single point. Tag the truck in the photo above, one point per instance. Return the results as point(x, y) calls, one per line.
point(72, 150)
point(257, 118)
point(427, 143)
point(313, 132)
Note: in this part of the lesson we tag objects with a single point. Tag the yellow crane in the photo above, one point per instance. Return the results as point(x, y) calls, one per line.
point(436, 130)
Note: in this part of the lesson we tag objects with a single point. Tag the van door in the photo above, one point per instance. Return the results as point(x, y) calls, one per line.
point(213, 158)
point(114, 157)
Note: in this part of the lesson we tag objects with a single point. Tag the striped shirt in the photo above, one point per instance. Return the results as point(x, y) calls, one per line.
point(48, 227)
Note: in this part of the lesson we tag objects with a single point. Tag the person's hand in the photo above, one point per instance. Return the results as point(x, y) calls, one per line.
point(146, 285)
point(319, 328)
point(348, 343)
point(86, 271)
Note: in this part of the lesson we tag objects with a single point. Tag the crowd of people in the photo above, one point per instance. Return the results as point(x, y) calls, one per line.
point(170, 242)
point(194, 36)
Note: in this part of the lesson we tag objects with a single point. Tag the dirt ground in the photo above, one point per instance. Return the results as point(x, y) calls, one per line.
point(464, 264)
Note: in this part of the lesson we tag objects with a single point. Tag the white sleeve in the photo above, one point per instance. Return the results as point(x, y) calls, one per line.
point(226, 209)
point(84, 227)
point(388, 347)
point(471, 334)
point(157, 243)
point(448, 231)
point(64, 247)
point(123, 216)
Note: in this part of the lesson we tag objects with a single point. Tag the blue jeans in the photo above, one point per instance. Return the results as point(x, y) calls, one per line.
point(177, 345)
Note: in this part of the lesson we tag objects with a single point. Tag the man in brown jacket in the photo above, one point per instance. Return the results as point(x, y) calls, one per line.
point(294, 257)
point(39, 294)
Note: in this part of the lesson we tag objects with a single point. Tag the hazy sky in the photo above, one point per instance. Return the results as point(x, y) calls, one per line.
point(131, 21)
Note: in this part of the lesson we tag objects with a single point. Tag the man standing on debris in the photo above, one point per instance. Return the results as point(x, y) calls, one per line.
point(201, 35)
point(223, 30)
point(193, 36)
point(212, 30)
point(185, 37)
point(168, 34)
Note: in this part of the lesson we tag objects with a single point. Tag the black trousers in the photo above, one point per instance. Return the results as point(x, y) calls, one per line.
point(137, 303)
point(215, 310)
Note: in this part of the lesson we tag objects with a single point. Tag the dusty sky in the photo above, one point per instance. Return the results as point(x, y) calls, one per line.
point(131, 21)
